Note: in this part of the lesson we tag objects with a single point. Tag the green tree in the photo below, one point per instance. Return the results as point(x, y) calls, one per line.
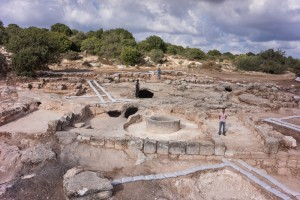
point(250, 54)
point(270, 54)
point(33, 49)
point(91, 45)
point(25, 62)
point(156, 55)
point(61, 28)
point(12, 30)
point(77, 40)
point(292, 63)
point(228, 55)
point(131, 56)
point(249, 63)
point(113, 41)
point(152, 42)
point(3, 34)
point(273, 61)
point(174, 49)
point(214, 53)
point(194, 54)
point(97, 34)
point(64, 42)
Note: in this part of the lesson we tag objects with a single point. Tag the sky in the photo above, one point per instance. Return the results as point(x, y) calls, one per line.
point(237, 26)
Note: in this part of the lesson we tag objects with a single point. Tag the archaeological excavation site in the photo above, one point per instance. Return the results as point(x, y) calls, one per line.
point(89, 134)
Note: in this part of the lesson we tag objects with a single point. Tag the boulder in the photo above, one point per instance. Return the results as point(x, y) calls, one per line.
point(79, 184)
point(289, 141)
point(79, 125)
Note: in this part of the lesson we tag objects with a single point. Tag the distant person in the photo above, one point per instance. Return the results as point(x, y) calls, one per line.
point(222, 118)
point(137, 88)
point(158, 73)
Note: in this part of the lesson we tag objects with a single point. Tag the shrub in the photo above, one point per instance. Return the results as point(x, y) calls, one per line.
point(194, 54)
point(273, 67)
point(33, 49)
point(131, 56)
point(61, 28)
point(228, 55)
point(211, 65)
point(91, 45)
point(3, 66)
point(71, 55)
point(156, 55)
point(152, 42)
point(297, 70)
point(249, 63)
point(25, 61)
point(214, 53)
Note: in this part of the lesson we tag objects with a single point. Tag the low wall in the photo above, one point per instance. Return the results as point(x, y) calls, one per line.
point(286, 131)
point(270, 144)
point(283, 162)
point(148, 146)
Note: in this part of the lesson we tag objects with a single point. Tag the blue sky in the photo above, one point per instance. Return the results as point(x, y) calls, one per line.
point(238, 26)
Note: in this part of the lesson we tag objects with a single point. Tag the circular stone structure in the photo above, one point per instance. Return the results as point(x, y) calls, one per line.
point(162, 124)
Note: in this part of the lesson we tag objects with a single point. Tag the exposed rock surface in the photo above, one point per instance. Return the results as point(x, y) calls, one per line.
point(12, 109)
point(10, 162)
point(289, 141)
point(79, 184)
point(254, 100)
point(37, 155)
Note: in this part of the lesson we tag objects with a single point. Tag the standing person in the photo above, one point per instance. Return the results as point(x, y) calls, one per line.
point(158, 73)
point(222, 118)
point(137, 88)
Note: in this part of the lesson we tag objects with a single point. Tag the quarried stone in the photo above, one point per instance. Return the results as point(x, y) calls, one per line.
point(207, 148)
point(177, 148)
point(149, 146)
point(193, 148)
point(163, 147)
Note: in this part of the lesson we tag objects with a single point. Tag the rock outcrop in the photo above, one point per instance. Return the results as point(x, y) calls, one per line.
point(88, 185)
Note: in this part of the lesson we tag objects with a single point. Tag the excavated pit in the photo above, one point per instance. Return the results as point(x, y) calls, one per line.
point(130, 111)
point(114, 113)
point(144, 93)
point(164, 124)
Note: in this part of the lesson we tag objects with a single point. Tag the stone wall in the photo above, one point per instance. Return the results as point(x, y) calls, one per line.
point(68, 119)
point(271, 144)
point(283, 163)
point(148, 146)
point(289, 132)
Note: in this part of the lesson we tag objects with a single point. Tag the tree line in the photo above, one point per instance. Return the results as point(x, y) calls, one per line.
point(34, 48)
